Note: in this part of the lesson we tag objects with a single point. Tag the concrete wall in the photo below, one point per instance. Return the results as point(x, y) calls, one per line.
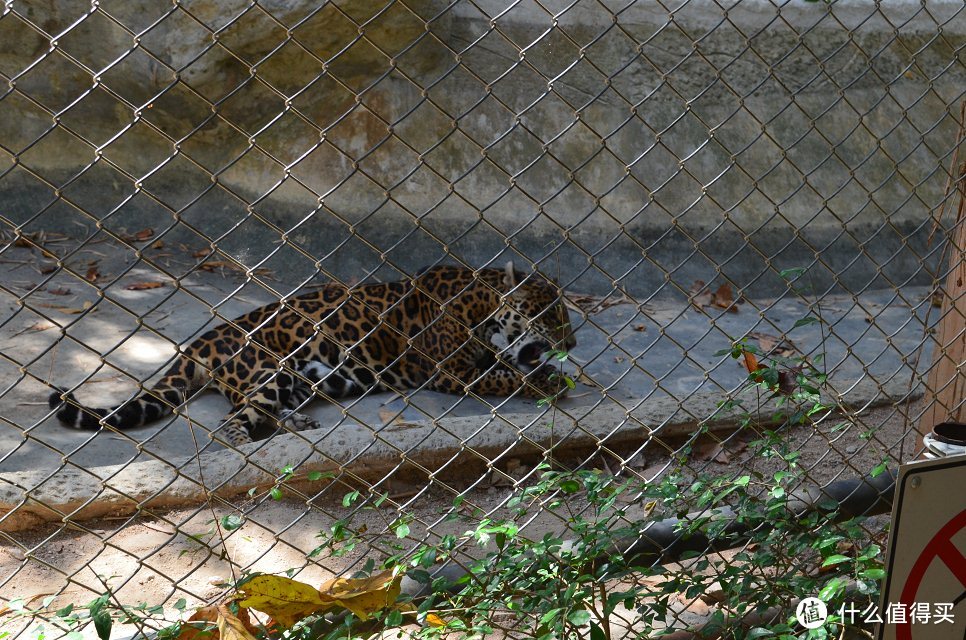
point(650, 144)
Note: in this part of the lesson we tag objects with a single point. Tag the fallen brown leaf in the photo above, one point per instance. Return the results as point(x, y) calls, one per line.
point(775, 345)
point(157, 244)
point(592, 304)
point(68, 310)
point(699, 295)
point(724, 298)
point(215, 265)
point(713, 452)
point(92, 274)
point(639, 327)
point(141, 286)
point(59, 291)
point(201, 625)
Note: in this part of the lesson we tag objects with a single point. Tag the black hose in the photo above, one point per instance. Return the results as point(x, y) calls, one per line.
point(661, 541)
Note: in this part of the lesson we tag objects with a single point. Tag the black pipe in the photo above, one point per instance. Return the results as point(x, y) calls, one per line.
point(661, 541)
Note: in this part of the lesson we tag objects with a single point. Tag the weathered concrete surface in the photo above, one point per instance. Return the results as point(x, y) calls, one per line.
point(443, 447)
point(635, 147)
point(650, 372)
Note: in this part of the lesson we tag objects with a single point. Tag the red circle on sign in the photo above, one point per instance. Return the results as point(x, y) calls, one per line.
point(941, 546)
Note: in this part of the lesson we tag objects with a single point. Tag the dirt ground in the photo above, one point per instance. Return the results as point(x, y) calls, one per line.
point(162, 557)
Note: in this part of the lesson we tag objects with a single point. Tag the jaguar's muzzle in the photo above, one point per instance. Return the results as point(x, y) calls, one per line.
point(531, 356)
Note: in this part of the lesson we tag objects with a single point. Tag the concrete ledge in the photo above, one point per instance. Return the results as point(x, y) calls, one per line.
point(430, 449)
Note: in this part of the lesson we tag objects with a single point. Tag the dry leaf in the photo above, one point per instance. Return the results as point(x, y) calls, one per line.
point(287, 601)
point(92, 274)
point(158, 244)
point(144, 234)
point(751, 362)
point(48, 268)
point(200, 253)
point(201, 625)
point(765, 341)
point(40, 325)
point(639, 327)
point(724, 298)
point(69, 310)
point(387, 415)
point(59, 291)
point(363, 596)
point(774, 345)
point(592, 304)
point(231, 627)
point(699, 295)
point(141, 286)
point(713, 452)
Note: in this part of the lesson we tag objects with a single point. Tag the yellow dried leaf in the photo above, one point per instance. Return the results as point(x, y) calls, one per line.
point(287, 601)
point(434, 620)
point(230, 627)
point(363, 596)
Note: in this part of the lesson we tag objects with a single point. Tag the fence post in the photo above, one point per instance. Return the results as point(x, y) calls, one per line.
point(946, 384)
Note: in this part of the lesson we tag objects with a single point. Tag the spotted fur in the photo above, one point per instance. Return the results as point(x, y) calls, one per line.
point(449, 329)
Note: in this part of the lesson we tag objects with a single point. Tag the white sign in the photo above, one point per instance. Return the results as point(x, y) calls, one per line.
point(926, 568)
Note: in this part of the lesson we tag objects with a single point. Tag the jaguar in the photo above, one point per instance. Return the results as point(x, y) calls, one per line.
point(450, 329)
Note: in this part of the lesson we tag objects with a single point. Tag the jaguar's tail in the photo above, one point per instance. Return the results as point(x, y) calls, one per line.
point(136, 412)
point(180, 381)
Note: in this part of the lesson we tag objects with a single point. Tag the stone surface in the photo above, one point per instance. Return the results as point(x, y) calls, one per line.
point(631, 146)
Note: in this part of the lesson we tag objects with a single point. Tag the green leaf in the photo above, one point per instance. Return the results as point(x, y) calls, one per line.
point(549, 616)
point(873, 574)
point(596, 633)
point(180, 604)
point(314, 476)
point(742, 481)
point(878, 469)
point(276, 493)
point(569, 486)
point(837, 558)
point(395, 618)
point(232, 521)
point(102, 624)
point(831, 589)
point(579, 618)
point(759, 632)
point(807, 320)
point(402, 530)
point(794, 272)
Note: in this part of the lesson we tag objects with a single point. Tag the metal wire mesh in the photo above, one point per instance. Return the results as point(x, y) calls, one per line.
point(691, 174)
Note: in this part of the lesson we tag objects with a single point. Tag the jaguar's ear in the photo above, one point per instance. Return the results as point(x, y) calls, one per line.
point(509, 276)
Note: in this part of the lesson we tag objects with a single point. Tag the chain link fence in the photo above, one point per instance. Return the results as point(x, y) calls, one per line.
point(714, 187)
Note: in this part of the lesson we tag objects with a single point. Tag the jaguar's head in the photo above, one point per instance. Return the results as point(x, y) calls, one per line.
point(532, 320)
